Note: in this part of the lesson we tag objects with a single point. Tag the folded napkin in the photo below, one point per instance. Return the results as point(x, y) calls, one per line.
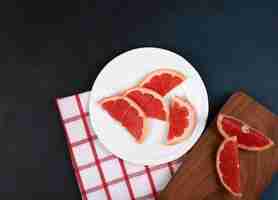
point(100, 174)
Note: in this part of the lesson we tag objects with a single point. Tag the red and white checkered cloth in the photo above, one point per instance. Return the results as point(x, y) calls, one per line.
point(100, 174)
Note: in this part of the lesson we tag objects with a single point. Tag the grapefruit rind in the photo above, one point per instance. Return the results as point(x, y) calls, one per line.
point(154, 94)
point(233, 139)
point(173, 73)
point(192, 117)
point(139, 110)
point(241, 146)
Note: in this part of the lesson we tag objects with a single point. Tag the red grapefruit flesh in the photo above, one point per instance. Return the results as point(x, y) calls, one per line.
point(151, 102)
point(248, 138)
point(182, 120)
point(162, 81)
point(128, 113)
point(227, 165)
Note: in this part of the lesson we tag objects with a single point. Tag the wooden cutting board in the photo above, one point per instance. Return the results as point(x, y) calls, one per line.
point(197, 178)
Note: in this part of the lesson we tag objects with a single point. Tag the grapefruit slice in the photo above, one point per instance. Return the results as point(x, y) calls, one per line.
point(151, 102)
point(182, 120)
point(248, 138)
point(162, 81)
point(128, 113)
point(227, 165)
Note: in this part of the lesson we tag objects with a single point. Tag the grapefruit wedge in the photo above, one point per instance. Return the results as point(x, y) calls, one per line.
point(162, 81)
point(248, 138)
point(151, 102)
point(182, 120)
point(128, 113)
point(227, 165)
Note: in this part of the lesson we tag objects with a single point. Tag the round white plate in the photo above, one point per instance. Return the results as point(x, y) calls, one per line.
point(126, 71)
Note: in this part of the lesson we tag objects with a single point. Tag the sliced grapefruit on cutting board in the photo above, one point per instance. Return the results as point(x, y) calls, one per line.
point(150, 101)
point(182, 120)
point(249, 138)
point(128, 113)
point(162, 80)
point(228, 166)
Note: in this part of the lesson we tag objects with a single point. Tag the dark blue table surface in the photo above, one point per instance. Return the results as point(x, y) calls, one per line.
point(56, 48)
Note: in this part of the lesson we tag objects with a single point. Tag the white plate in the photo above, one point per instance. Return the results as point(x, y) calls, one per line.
point(125, 71)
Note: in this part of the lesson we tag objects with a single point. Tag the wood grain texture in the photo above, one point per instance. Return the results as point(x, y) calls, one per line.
point(197, 178)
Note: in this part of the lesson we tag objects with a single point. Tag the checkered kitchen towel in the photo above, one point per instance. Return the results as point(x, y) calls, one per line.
point(100, 174)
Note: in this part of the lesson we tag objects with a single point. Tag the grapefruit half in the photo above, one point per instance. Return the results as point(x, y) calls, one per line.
point(163, 80)
point(150, 101)
point(182, 120)
point(128, 113)
point(227, 165)
point(248, 138)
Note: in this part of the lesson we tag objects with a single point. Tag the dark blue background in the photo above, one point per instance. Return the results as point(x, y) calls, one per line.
point(56, 48)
